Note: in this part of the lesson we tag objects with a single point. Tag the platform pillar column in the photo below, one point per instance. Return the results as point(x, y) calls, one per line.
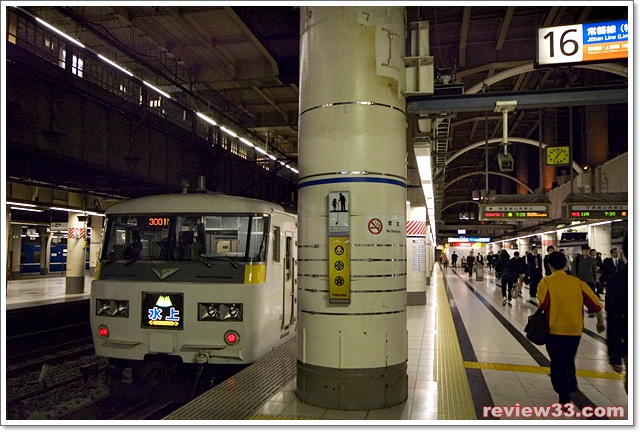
point(15, 248)
point(600, 239)
point(524, 246)
point(45, 250)
point(352, 331)
point(76, 249)
point(550, 239)
point(96, 241)
point(418, 260)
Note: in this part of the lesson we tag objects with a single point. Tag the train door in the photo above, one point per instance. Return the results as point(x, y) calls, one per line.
point(289, 279)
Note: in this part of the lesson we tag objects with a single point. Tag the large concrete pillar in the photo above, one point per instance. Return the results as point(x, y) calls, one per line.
point(550, 239)
point(45, 250)
point(352, 333)
point(96, 241)
point(600, 239)
point(524, 246)
point(15, 247)
point(76, 248)
point(418, 245)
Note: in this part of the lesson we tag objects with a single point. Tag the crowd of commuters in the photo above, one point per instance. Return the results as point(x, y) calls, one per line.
point(563, 286)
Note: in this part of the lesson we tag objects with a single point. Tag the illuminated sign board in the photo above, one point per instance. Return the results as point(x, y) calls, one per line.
point(460, 244)
point(469, 239)
point(597, 211)
point(582, 43)
point(162, 310)
point(538, 211)
point(158, 221)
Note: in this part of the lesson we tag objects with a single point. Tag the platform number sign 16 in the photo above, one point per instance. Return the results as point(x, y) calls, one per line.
point(557, 45)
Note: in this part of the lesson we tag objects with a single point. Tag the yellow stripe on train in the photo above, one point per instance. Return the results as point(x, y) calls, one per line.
point(255, 273)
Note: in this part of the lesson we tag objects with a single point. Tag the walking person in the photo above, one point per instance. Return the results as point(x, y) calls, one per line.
point(533, 270)
point(520, 268)
point(563, 298)
point(585, 268)
point(611, 265)
point(470, 261)
point(490, 260)
point(617, 306)
point(508, 277)
point(454, 259)
point(547, 270)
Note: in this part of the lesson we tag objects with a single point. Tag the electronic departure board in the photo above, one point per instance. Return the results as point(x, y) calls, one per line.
point(597, 211)
point(537, 211)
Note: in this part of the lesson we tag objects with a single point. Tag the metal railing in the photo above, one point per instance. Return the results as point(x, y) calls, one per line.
point(25, 32)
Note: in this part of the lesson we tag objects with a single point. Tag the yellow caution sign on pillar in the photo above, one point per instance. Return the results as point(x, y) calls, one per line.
point(339, 272)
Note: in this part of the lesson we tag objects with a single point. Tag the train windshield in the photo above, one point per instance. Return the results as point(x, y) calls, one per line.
point(240, 238)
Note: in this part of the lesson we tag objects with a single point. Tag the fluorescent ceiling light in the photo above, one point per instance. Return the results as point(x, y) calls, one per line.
point(27, 209)
point(247, 142)
point(157, 89)
point(20, 204)
point(230, 132)
point(115, 65)
point(60, 32)
point(207, 119)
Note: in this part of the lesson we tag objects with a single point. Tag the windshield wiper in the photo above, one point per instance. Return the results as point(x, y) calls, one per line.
point(131, 261)
point(203, 261)
point(205, 257)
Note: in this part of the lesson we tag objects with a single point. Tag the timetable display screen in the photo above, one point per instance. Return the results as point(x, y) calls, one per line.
point(514, 211)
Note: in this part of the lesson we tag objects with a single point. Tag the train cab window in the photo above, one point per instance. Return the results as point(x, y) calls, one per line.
point(276, 243)
point(240, 238)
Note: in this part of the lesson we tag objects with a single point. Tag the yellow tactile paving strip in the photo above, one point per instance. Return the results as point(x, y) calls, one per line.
point(540, 370)
point(278, 417)
point(454, 395)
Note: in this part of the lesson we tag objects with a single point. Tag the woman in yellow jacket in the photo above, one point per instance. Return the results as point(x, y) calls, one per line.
point(563, 298)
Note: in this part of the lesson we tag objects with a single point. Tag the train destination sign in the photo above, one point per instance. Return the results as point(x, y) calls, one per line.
point(582, 43)
point(597, 211)
point(539, 211)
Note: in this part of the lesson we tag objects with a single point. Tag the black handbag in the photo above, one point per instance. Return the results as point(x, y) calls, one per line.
point(537, 327)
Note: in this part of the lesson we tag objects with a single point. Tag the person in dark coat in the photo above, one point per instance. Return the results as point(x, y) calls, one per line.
point(454, 259)
point(611, 265)
point(547, 270)
point(617, 307)
point(534, 272)
point(470, 261)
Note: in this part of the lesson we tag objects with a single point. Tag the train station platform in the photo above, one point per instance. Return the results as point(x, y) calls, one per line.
point(35, 290)
point(467, 354)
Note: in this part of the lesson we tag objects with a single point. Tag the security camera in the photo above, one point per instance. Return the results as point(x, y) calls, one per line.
point(506, 105)
point(505, 162)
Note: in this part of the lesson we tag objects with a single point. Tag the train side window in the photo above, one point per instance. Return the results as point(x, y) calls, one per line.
point(288, 257)
point(276, 243)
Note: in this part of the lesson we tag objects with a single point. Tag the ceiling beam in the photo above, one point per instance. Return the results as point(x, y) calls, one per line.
point(526, 100)
point(464, 36)
point(504, 28)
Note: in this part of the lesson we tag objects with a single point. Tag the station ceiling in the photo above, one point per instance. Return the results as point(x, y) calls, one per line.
point(242, 62)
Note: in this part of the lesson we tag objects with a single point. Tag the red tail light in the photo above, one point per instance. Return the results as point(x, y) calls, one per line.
point(231, 337)
point(103, 331)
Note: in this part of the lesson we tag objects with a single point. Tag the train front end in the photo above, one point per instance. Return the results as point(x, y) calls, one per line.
point(192, 285)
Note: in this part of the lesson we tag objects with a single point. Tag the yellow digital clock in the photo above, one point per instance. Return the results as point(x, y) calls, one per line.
point(559, 155)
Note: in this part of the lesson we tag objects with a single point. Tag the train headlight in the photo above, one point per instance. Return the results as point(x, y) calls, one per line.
point(103, 331)
point(112, 308)
point(231, 337)
point(220, 312)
